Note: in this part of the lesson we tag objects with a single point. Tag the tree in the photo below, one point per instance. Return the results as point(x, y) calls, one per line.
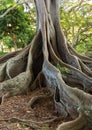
point(16, 28)
point(76, 23)
point(50, 61)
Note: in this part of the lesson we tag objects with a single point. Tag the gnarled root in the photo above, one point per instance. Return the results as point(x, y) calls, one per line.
point(17, 85)
point(37, 99)
point(30, 123)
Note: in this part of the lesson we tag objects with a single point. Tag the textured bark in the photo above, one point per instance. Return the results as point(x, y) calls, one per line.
point(36, 65)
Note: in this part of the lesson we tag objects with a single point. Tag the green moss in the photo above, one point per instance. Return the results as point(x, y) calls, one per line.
point(62, 69)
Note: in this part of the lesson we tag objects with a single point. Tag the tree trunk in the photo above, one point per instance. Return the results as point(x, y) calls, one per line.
point(49, 60)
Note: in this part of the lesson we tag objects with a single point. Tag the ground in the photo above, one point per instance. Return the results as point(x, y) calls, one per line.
point(17, 106)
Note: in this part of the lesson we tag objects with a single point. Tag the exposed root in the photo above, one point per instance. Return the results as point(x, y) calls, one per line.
point(4, 97)
point(17, 85)
point(30, 123)
point(85, 80)
point(38, 81)
point(63, 94)
point(77, 124)
point(5, 58)
point(85, 69)
point(83, 58)
point(83, 100)
point(16, 65)
point(36, 99)
point(82, 122)
point(2, 72)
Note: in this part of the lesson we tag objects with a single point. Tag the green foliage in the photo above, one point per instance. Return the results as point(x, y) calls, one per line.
point(6, 3)
point(16, 26)
point(76, 21)
point(8, 41)
point(62, 69)
point(2, 53)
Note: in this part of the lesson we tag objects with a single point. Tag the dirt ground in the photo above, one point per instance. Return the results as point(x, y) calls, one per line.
point(17, 106)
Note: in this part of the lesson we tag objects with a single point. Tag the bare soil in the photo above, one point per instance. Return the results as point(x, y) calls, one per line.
point(17, 106)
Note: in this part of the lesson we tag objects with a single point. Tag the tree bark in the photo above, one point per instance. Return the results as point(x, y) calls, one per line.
point(36, 65)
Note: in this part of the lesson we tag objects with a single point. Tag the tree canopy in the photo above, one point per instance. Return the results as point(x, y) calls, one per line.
point(76, 21)
point(16, 28)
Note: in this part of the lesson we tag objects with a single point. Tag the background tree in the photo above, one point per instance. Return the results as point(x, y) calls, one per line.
point(76, 22)
point(36, 66)
point(16, 28)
